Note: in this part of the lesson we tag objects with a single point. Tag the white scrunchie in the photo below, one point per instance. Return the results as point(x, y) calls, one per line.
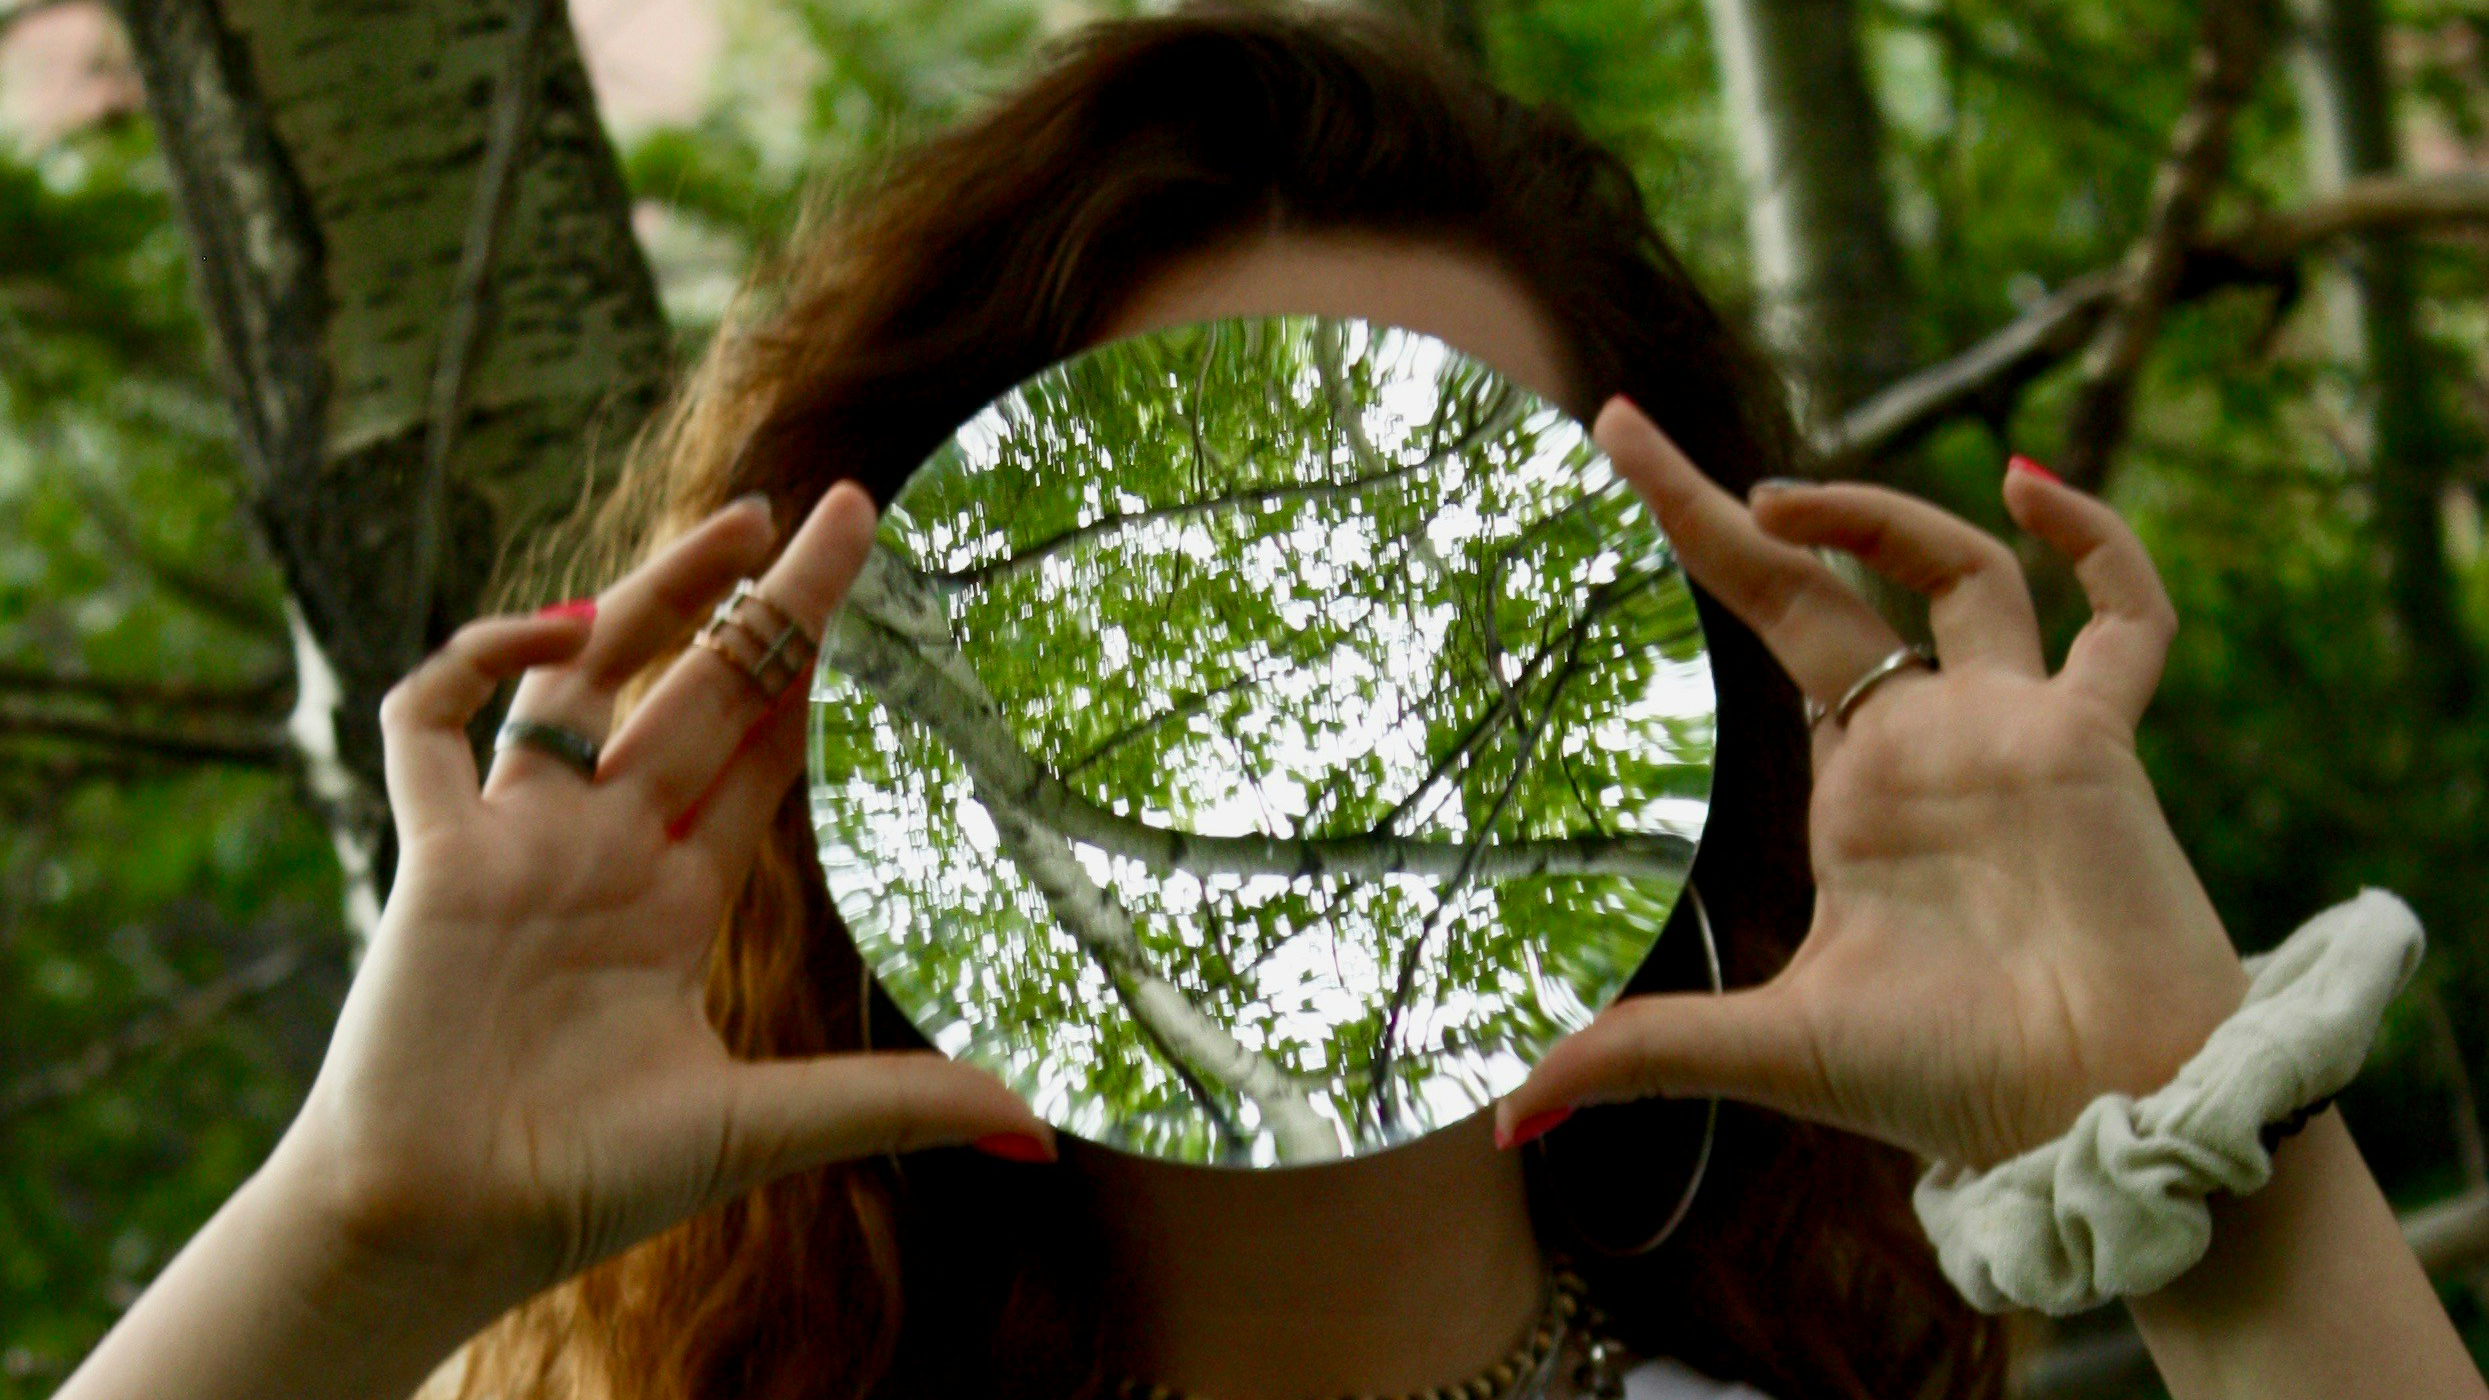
point(2117, 1207)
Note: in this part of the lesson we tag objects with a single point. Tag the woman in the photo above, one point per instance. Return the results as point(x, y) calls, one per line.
point(555, 1072)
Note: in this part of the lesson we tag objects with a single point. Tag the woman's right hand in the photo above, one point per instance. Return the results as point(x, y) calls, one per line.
point(523, 1079)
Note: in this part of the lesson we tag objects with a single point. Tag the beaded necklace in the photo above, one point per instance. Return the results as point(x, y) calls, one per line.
point(1568, 1323)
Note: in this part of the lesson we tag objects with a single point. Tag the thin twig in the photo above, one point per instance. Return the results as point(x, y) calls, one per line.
point(258, 747)
point(2469, 1146)
point(229, 601)
point(265, 697)
point(176, 1021)
point(1378, 472)
point(2229, 50)
point(1984, 379)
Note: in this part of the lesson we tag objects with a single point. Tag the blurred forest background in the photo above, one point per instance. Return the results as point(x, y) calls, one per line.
point(310, 313)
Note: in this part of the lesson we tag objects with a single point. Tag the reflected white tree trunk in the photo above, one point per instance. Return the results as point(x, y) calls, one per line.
point(1104, 928)
point(893, 638)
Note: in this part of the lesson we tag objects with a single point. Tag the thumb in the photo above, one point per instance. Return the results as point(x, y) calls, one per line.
point(1742, 1045)
point(787, 1115)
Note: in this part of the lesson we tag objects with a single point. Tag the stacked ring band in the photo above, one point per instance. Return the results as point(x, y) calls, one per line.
point(569, 747)
point(759, 639)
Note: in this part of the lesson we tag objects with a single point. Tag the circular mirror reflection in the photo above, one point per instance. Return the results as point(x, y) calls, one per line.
point(1257, 741)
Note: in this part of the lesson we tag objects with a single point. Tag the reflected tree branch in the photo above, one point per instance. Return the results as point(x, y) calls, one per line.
point(1507, 704)
point(893, 638)
point(1203, 462)
point(1404, 981)
point(1183, 707)
point(1505, 411)
point(1187, 1034)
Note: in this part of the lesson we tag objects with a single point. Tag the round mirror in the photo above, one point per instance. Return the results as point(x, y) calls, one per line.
point(1257, 741)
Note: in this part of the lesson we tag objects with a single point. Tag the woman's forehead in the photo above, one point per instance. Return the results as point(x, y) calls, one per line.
point(1456, 296)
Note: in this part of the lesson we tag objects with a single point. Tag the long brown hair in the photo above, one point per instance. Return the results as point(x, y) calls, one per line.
point(976, 259)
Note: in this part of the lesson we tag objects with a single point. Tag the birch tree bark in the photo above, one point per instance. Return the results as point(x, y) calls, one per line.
point(2346, 115)
point(1832, 299)
point(413, 244)
point(1170, 1017)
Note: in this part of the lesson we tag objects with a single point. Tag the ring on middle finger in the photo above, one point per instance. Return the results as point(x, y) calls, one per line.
point(1901, 658)
point(760, 639)
point(569, 747)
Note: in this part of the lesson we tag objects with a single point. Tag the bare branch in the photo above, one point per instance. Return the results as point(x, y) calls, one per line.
point(176, 1021)
point(2229, 51)
point(226, 600)
point(254, 747)
point(1985, 378)
point(2376, 203)
point(470, 305)
point(262, 698)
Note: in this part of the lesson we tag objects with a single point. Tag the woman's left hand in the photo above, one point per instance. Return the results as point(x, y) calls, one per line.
point(2005, 927)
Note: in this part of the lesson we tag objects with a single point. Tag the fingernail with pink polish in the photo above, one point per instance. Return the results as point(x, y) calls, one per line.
point(1536, 1125)
point(582, 608)
point(1014, 1147)
point(2020, 463)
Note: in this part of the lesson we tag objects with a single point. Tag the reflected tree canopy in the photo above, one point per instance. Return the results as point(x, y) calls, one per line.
point(1257, 741)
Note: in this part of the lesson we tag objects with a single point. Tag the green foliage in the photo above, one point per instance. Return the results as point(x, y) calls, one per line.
point(168, 957)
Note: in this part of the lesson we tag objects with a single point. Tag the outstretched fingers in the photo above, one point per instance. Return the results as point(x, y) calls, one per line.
point(2118, 655)
point(423, 721)
point(1743, 1045)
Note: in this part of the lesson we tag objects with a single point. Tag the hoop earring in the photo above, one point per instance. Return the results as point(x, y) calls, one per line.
point(864, 1042)
point(1702, 1154)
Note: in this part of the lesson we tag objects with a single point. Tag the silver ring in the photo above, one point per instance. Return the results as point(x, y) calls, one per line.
point(569, 747)
point(1900, 658)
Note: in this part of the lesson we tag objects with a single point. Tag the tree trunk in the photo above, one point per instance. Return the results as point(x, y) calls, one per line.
point(1832, 299)
point(414, 248)
point(2347, 116)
